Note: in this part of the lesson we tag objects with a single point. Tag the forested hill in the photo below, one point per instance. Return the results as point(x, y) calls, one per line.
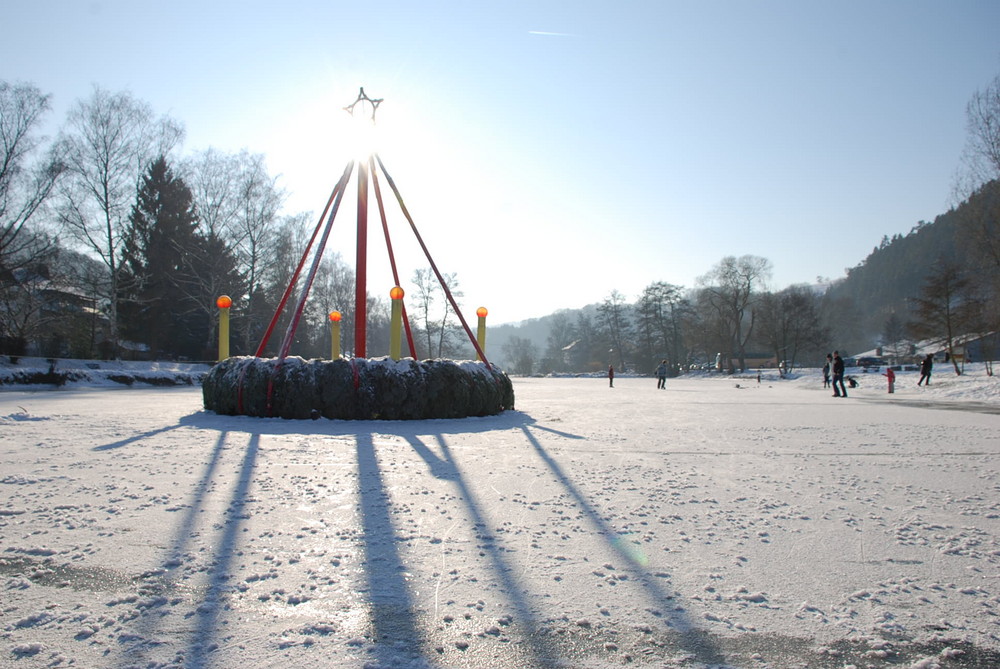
point(859, 305)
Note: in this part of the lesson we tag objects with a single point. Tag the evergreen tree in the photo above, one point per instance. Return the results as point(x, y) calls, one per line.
point(161, 236)
point(108, 139)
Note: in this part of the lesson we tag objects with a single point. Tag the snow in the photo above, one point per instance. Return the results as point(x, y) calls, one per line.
point(721, 522)
point(107, 373)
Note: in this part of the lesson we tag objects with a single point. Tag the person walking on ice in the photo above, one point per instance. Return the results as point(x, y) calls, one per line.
point(661, 375)
point(925, 369)
point(611, 376)
point(838, 376)
point(891, 377)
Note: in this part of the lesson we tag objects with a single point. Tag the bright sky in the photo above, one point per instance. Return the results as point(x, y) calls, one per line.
point(552, 151)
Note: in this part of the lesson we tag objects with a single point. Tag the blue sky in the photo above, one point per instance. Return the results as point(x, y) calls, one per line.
point(551, 152)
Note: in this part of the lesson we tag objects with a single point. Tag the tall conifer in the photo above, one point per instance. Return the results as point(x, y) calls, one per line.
point(162, 234)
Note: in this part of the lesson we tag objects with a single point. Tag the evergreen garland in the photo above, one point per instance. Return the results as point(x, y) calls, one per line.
point(359, 389)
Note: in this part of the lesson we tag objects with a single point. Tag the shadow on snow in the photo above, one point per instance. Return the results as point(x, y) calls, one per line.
point(396, 625)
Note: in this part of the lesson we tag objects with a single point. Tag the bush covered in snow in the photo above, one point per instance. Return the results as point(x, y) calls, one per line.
point(358, 389)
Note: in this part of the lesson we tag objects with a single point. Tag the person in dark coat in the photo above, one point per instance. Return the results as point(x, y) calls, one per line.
point(838, 376)
point(925, 369)
point(611, 376)
point(661, 375)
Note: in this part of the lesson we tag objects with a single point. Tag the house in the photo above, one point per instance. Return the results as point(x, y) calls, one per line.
point(43, 316)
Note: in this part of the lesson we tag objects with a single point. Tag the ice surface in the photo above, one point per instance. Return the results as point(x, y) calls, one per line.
point(719, 522)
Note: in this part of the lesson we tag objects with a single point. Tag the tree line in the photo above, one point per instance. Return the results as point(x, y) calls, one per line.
point(114, 244)
point(730, 319)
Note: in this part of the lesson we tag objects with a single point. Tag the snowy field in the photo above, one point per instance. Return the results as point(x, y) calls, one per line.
point(721, 522)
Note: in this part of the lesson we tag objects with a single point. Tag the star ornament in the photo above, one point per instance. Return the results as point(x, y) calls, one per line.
point(362, 99)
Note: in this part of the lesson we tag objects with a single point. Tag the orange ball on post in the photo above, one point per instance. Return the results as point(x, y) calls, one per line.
point(396, 323)
point(223, 302)
point(481, 331)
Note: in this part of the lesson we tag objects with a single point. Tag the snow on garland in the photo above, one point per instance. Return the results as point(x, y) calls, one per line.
point(358, 389)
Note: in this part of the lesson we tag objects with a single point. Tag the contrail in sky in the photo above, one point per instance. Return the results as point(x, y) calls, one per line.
point(548, 34)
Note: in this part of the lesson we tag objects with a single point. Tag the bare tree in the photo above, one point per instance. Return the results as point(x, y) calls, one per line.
point(895, 343)
point(521, 354)
point(586, 351)
point(790, 323)
point(212, 177)
point(978, 183)
point(560, 341)
point(708, 335)
point(615, 324)
point(333, 291)
point(978, 179)
point(981, 157)
point(659, 313)
point(111, 139)
point(432, 310)
point(238, 203)
point(24, 185)
point(276, 264)
point(423, 300)
point(947, 309)
point(729, 289)
point(259, 199)
point(447, 325)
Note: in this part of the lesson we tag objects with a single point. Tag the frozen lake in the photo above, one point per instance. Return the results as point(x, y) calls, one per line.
point(718, 522)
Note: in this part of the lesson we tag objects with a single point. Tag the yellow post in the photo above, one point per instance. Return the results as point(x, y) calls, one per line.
point(481, 332)
point(334, 335)
point(224, 302)
point(396, 324)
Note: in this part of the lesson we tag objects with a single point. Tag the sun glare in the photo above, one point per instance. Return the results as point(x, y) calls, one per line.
point(361, 131)
point(360, 135)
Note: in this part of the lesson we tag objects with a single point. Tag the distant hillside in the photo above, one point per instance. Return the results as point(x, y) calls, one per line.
point(858, 306)
point(535, 330)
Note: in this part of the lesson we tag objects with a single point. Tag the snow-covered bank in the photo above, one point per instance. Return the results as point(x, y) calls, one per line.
point(973, 385)
point(41, 372)
point(719, 522)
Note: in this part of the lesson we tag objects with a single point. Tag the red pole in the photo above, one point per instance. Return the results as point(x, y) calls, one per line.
point(361, 265)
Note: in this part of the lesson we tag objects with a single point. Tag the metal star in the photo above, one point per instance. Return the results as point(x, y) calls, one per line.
point(363, 97)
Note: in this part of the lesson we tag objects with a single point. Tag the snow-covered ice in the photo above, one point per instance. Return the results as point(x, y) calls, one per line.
point(720, 522)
